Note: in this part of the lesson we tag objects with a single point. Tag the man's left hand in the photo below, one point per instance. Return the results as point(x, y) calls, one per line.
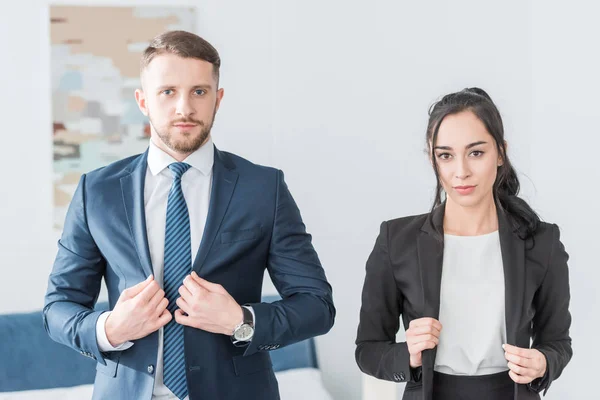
point(208, 306)
point(525, 364)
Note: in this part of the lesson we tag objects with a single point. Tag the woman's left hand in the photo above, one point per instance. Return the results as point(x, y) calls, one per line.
point(525, 364)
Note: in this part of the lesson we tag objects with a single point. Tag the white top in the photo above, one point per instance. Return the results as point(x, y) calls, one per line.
point(472, 308)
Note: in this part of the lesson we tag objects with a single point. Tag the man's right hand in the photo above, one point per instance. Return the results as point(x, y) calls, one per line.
point(140, 310)
point(422, 333)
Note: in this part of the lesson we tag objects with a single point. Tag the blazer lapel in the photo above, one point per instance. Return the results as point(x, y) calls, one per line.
point(132, 187)
point(431, 252)
point(224, 181)
point(513, 260)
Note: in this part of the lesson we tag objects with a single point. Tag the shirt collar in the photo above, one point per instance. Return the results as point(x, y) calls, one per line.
point(202, 159)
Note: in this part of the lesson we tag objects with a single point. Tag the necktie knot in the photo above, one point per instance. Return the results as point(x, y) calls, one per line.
point(178, 169)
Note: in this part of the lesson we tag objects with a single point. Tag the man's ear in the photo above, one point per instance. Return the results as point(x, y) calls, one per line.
point(140, 99)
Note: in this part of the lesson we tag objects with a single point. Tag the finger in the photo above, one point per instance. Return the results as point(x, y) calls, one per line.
point(423, 330)
point(134, 290)
point(165, 318)
point(211, 287)
point(523, 371)
point(186, 294)
point(184, 305)
point(517, 369)
point(419, 347)
point(519, 351)
point(156, 299)
point(193, 286)
point(518, 378)
point(149, 291)
point(423, 338)
point(426, 322)
point(162, 306)
point(181, 318)
point(518, 360)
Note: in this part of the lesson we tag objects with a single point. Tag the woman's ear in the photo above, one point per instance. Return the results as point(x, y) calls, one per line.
point(500, 158)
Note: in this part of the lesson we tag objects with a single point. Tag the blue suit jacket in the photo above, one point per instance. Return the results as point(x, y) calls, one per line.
point(253, 224)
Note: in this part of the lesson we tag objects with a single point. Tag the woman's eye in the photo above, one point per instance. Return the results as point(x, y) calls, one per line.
point(444, 156)
point(477, 153)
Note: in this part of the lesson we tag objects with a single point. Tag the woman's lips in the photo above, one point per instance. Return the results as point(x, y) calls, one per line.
point(464, 190)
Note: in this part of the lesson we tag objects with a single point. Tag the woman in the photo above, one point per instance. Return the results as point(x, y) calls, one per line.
point(474, 279)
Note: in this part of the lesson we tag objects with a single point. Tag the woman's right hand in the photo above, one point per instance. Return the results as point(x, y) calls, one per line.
point(422, 334)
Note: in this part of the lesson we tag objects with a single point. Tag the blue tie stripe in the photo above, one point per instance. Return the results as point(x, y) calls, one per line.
point(178, 263)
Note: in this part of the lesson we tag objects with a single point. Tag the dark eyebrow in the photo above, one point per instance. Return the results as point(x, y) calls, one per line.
point(204, 87)
point(466, 147)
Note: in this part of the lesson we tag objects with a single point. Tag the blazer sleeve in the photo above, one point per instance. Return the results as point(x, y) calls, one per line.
point(552, 318)
point(306, 308)
point(74, 283)
point(377, 352)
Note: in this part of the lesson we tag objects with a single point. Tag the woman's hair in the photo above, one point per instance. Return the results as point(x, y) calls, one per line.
point(506, 187)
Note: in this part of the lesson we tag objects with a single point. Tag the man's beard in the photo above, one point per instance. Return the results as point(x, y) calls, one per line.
point(185, 146)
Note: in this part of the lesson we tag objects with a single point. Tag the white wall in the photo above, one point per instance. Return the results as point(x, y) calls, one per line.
point(336, 94)
point(565, 169)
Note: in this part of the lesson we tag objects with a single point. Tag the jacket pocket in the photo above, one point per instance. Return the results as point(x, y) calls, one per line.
point(237, 236)
point(110, 368)
point(250, 364)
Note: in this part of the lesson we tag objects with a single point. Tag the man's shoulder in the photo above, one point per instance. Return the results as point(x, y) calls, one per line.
point(246, 166)
point(113, 170)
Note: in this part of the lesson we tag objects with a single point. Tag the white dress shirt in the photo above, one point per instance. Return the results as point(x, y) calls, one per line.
point(472, 310)
point(196, 184)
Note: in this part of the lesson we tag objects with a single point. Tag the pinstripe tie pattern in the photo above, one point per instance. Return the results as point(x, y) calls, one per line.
point(178, 263)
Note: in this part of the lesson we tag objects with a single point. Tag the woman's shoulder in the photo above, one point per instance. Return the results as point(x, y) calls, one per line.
point(408, 224)
point(546, 232)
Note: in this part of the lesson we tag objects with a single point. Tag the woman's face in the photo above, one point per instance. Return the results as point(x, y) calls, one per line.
point(467, 159)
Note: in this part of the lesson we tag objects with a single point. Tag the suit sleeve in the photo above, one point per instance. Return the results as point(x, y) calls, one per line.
point(74, 283)
point(306, 308)
point(377, 353)
point(552, 318)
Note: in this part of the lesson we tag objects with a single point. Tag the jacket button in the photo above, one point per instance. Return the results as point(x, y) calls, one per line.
point(150, 369)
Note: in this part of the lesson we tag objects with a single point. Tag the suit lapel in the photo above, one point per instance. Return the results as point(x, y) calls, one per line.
point(224, 182)
point(430, 249)
point(431, 252)
point(513, 260)
point(132, 188)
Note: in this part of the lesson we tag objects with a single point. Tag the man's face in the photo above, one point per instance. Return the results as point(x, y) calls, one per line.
point(180, 98)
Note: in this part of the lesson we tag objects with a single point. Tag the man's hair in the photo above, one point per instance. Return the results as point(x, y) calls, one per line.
point(183, 44)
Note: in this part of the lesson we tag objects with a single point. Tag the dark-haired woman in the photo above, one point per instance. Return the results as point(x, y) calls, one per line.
point(474, 280)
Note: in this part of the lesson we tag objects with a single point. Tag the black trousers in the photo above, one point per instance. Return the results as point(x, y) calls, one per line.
point(460, 387)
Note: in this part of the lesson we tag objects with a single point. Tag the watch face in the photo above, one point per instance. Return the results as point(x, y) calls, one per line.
point(244, 333)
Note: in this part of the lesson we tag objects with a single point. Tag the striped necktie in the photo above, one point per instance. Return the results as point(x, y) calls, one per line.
point(178, 263)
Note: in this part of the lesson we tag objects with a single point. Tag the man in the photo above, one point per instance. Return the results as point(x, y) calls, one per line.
point(182, 235)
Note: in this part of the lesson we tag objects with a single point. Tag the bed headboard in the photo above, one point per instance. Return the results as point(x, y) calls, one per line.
point(30, 360)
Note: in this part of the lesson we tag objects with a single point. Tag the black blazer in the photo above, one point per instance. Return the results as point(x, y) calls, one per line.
point(403, 277)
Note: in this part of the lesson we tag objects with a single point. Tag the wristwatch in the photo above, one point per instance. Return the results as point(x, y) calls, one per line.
point(244, 331)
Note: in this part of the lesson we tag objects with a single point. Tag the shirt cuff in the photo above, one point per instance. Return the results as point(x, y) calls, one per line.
point(103, 343)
